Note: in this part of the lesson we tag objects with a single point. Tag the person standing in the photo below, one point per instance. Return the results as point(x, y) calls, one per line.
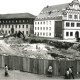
point(71, 72)
point(50, 71)
point(67, 74)
point(6, 70)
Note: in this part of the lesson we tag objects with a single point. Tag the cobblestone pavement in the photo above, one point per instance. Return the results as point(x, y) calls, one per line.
point(17, 75)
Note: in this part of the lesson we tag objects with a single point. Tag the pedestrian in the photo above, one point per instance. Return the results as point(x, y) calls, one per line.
point(71, 72)
point(6, 70)
point(67, 74)
point(50, 70)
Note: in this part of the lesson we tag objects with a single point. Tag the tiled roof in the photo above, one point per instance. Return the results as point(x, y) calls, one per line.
point(16, 15)
point(52, 12)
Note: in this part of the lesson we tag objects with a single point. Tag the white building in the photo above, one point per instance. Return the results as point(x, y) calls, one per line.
point(62, 21)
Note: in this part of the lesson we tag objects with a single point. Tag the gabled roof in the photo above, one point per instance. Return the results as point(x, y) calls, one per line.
point(16, 15)
point(52, 12)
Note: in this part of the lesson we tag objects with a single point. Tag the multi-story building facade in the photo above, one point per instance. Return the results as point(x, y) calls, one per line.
point(23, 22)
point(59, 21)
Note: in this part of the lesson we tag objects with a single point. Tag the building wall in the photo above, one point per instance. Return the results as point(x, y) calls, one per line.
point(44, 28)
point(70, 29)
point(71, 24)
point(23, 25)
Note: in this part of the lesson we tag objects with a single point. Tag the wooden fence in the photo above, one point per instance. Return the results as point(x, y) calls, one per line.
point(39, 66)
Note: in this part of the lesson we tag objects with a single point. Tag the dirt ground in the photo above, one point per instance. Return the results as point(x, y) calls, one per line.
point(17, 75)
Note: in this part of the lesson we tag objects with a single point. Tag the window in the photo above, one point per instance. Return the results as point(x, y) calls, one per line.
point(49, 34)
point(41, 22)
point(23, 20)
point(70, 16)
point(71, 33)
point(6, 21)
point(9, 31)
point(16, 26)
point(38, 22)
point(20, 21)
point(23, 26)
point(6, 32)
point(67, 33)
point(6, 26)
point(43, 28)
point(9, 21)
point(35, 22)
point(49, 28)
point(72, 24)
point(43, 34)
point(67, 24)
point(3, 21)
point(40, 28)
point(44, 22)
point(9, 26)
point(16, 21)
point(75, 16)
point(26, 26)
point(3, 26)
point(26, 32)
point(27, 20)
point(35, 28)
point(78, 24)
point(46, 28)
point(12, 21)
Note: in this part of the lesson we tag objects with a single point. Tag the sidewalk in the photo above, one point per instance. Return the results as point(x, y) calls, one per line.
point(17, 75)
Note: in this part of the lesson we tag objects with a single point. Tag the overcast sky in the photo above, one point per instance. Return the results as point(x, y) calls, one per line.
point(32, 6)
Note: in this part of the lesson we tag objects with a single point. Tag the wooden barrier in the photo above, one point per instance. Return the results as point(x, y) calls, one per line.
point(39, 66)
point(2, 61)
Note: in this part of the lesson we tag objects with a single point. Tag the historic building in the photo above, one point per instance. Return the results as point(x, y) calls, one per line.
point(23, 22)
point(62, 21)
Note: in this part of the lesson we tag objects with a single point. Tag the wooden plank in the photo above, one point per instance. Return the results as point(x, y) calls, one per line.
point(24, 64)
point(21, 64)
point(62, 67)
point(41, 66)
point(45, 66)
point(55, 68)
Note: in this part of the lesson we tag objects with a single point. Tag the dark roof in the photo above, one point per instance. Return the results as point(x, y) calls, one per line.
point(52, 12)
point(55, 12)
point(16, 15)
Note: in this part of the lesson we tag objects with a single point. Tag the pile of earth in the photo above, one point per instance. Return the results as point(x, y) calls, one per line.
point(13, 40)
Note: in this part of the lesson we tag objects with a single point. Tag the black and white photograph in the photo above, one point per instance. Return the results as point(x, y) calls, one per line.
point(39, 39)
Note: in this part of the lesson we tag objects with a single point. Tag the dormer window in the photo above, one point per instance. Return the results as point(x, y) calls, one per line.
point(70, 16)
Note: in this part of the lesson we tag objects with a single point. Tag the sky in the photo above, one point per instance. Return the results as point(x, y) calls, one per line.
point(31, 6)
